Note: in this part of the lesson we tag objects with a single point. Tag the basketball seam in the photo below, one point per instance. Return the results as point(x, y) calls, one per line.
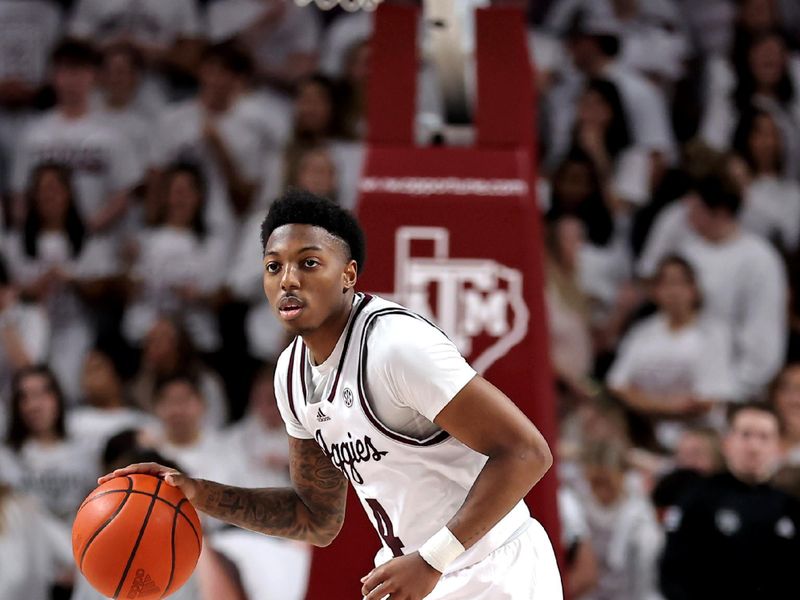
point(138, 539)
point(172, 540)
point(108, 521)
point(141, 493)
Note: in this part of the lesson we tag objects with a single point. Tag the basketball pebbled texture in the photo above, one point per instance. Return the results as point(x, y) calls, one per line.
point(136, 537)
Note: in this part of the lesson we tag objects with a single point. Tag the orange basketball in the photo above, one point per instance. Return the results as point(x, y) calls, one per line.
point(136, 537)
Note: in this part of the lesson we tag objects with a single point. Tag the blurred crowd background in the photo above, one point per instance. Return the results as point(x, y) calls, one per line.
point(141, 142)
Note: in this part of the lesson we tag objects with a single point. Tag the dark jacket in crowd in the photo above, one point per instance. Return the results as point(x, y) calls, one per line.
point(728, 539)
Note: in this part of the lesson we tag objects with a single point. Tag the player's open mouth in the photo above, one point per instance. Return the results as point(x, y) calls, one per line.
point(290, 308)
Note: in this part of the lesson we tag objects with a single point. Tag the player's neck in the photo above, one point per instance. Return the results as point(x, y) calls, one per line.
point(323, 339)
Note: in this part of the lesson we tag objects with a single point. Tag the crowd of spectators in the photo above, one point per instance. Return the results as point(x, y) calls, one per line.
point(141, 143)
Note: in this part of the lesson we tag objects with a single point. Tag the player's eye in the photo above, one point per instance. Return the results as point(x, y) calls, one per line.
point(310, 263)
point(272, 267)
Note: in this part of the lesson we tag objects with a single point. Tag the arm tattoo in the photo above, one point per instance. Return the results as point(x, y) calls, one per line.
point(312, 510)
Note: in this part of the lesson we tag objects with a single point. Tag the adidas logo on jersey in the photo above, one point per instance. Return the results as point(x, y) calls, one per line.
point(143, 586)
point(321, 416)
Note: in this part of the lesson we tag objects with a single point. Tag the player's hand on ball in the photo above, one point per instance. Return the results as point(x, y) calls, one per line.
point(402, 578)
point(174, 478)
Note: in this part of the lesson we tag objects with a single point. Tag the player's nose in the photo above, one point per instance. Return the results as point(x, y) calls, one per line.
point(290, 279)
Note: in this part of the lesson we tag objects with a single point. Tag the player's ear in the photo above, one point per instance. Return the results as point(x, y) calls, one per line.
point(349, 276)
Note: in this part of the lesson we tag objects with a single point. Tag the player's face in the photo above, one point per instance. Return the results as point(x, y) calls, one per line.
point(307, 274)
point(751, 446)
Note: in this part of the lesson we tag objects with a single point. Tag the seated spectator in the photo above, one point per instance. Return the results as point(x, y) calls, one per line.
point(345, 32)
point(102, 160)
point(580, 562)
point(769, 79)
point(354, 85)
point(24, 333)
point(601, 133)
point(674, 367)
point(128, 103)
point(771, 201)
point(58, 263)
point(622, 525)
point(211, 131)
point(282, 36)
point(104, 410)
point(741, 276)
point(28, 29)
point(167, 34)
point(785, 398)
point(260, 437)
point(57, 469)
point(180, 264)
point(568, 308)
point(34, 547)
point(698, 454)
point(712, 531)
point(314, 172)
point(168, 351)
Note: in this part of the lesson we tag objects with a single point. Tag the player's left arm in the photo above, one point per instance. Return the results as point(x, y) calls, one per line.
point(486, 420)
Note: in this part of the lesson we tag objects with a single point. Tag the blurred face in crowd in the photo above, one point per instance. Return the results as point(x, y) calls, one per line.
point(73, 83)
point(307, 273)
point(120, 76)
point(183, 200)
point(357, 67)
point(765, 143)
point(316, 173)
point(606, 483)
point(180, 409)
point(786, 398)
point(697, 452)
point(702, 219)
point(751, 446)
point(101, 384)
point(161, 346)
point(573, 184)
point(313, 109)
point(51, 199)
point(594, 111)
point(768, 61)
point(675, 292)
point(585, 52)
point(218, 85)
point(38, 405)
point(758, 15)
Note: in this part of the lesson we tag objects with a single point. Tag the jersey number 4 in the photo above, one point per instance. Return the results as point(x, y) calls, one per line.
point(385, 529)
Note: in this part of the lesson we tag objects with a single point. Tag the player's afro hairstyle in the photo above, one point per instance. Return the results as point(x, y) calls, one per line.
point(304, 208)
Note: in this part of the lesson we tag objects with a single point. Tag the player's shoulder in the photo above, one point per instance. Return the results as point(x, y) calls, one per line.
point(282, 364)
point(393, 331)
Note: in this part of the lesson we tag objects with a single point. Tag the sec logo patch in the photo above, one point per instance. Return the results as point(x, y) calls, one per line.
point(348, 397)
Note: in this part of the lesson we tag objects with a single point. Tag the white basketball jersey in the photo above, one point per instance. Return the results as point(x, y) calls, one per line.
point(409, 487)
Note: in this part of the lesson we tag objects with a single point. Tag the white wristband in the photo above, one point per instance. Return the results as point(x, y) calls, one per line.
point(441, 549)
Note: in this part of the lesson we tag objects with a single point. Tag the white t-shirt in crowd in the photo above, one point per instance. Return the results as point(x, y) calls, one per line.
point(298, 30)
point(771, 209)
point(627, 540)
point(170, 257)
point(28, 31)
point(33, 328)
point(102, 160)
point(34, 549)
point(743, 283)
point(146, 21)
point(695, 360)
point(60, 474)
point(264, 452)
point(96, 425)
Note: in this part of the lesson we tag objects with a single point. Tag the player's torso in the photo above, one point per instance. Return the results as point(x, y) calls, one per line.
point(397, 477)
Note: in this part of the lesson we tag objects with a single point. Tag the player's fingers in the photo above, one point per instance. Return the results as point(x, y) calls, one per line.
point(371, 581)
point(383, 590)
point(145, 468)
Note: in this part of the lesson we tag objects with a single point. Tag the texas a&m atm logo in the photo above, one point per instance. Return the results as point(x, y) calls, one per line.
point(477, 302)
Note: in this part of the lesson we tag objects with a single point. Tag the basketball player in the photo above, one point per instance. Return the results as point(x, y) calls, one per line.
point(375, 395)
